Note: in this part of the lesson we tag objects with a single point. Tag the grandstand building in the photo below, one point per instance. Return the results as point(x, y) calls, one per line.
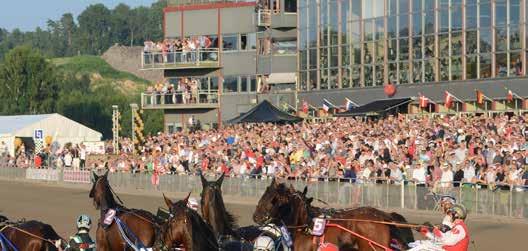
point(421, 56)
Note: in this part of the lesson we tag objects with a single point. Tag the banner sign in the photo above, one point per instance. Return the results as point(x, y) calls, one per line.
point(97, 147)
point(76, 176)
point(42, 174)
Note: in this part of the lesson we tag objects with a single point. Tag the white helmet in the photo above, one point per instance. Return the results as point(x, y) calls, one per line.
point(272, 229)
point(193, 204)
point(264, 243)
point(84, 221)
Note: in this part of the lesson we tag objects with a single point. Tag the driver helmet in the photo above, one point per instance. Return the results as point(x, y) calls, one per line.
point(272, 229)
point(193, 204)
point(84, 221)
point(458, 211)
point(264, 243)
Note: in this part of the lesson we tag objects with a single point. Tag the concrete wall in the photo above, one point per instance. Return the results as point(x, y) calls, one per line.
point(206, 116)
point(173, 24)
point(125, 58)
point(238, 20)
point(239, 63)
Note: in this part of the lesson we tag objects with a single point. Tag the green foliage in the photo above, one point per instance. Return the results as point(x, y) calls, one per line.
point(97, 28)
point(28, 83)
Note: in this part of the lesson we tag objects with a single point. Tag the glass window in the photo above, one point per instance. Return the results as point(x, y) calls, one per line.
point(303, 81)
point(214, 83)
point(444, 20)
point(356, 54)
point(323, 57)
point(312, 10)
point(417, 24)
point(485, 14)
point(303, 60)
point(380, 52)
point(456, 18)
point(290, 6)
point(368, 71)
point(368, 29)
point(334, 56)
point(404, 25)
point(313, 80)
point(485, 65)
point(500, 13)
point(429, 48)
point(334, 75)
point(393, 73)
point(417, 5)
point(444, 44)
point(515, 38)
point(417, 48)
point(284, 47)
point(312, 59)
point(379, 75)
point(429, 75)
point(444, 4)
point(368, 51)
point(248, 41)
point(485, 40)
point(404, 49)
point(471, 67)
point(252, 83)
point(456, 44)
point(471, 17)
point(417, 72)
point(515, 64)
point(501, 36)
point(392, 27)
point(429, 23)
point(230, 84)
point(323, 9)
point(404, 73)
point(324, 79)
point(501, 64)
point(393, 7)
point(345, 82)
point(356, 76)
point(515, 12)
point(356, 9)
point(392, 51)
point(456, 68)
point(471, 39)
point(243, 84)
point(230, 42)
point(345, 55)
point(444, 69)
point(345, 15)
point(379, 26)
point(403, 6)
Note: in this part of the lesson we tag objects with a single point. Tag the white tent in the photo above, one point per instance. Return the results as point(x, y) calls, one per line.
point(62, 129)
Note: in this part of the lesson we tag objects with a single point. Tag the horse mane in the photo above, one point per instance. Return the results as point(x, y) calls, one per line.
point(217, 205)
point(109, 200)
point(200, 228)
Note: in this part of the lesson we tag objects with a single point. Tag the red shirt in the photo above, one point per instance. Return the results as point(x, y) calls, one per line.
point(38, 161)
point(260, 162)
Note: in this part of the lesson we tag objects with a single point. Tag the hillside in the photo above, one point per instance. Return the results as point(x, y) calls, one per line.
point(101, 73)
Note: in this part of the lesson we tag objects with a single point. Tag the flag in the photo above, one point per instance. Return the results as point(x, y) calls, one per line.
point(327, 105)
point(448, 100)
point(424, 101)
point(349, 104)
point(305, 107)
point(509, 97)
point(480, 97)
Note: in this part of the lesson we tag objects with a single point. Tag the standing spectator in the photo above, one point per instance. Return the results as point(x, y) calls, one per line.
point(82, 157)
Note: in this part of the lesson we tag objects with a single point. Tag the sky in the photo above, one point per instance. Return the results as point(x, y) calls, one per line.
point(29, 14)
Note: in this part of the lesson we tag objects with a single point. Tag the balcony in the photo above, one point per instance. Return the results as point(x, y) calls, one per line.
point(264, 17)
point(180, 100)
point(198, 59)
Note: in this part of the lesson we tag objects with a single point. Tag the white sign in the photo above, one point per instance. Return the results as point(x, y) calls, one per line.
point(39, 134)
point(96, 147)
point(42, 174)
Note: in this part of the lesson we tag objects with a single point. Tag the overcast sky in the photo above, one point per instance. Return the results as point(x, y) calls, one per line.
point(28, 14)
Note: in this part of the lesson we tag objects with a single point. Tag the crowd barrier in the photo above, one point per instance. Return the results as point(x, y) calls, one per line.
point(512, 202)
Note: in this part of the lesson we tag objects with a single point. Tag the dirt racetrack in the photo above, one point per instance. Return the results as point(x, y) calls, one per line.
point(60, 205)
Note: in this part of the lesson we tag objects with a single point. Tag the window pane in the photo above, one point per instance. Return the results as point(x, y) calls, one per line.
point(444, 44)
point(356, 9)
point(334, 56)
point(303, 60)
point(485, 14)
point(312, 59)
point(444, 20)
point(403, 6)
point(356, 76)
point(471, 67)
point(515, 38)
point(392, 27)
point(471, 39)
point(501, 64)
point(323, 57)
point(252, 84)
point(471, 17)
point(485, 66)
point(345, 83)
point(429, 49)
point(444, 69)
point(515, 11)
point(392, 50)
point(334, 75)
point(393, 73)
point(501, 37)
point(368, 28)
point(230, 42)
point(456, 68)
point(485, 40)
point(417, 24)
point(379, 75)
point(324, 79)
point(404, 73)
point(392, 7)
point(230, 84)
point(380, 52)
point(429, 71)
point(313, 80)
point(368, 51)
point(456, 44)
point(515, 64)
point(214, 83)
point(417, 5)
point(404, 49)
point(404, 25)
point(429, 22)
point(417, 72)
point(500, 13)
point(456, 18)
point(368, 71)
point(243, 84)
point(417, 48)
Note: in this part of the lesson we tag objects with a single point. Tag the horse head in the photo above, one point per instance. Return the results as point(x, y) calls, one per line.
point(100, 192)
point(214, 211)
point(275, 197)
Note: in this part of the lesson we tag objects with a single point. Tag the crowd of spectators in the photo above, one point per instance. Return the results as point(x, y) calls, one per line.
point(186, 91)
point(435, 152)
point(69, 156)
point(178, 50)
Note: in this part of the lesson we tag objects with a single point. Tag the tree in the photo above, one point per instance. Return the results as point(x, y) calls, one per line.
point(95, 29)
point(27, 83)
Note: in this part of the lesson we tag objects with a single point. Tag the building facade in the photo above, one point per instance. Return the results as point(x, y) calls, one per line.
point(291, 52)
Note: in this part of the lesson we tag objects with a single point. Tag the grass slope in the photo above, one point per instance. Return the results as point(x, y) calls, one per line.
point(101, 73)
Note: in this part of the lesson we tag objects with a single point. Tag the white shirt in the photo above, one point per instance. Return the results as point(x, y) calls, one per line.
point(68, 160)
point(82, 154)
point(469, 173)
point(446, 179)
point(418, 175)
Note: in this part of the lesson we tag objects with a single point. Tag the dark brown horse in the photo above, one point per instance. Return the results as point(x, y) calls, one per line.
point(216, 215)
point(30, 236)
point(185, 228)
point(141, 223)
point(294, 208)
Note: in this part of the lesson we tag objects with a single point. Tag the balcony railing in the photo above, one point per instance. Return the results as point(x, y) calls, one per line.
point(264, 17)
point(199, 58)
point(182, 100)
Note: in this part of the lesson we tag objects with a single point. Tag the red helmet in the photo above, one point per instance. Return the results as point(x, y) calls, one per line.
point(327, 247)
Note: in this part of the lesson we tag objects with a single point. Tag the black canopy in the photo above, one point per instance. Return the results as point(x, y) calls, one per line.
point(376, 108)
point(263, 113)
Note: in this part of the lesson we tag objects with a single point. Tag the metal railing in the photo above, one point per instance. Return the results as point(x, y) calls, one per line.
point(507, 202)
point(199, 58)
point(191, 2)
point(264, 17)
point(174, 99)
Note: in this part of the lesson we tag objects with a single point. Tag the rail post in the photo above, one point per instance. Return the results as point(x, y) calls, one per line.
point(402, 194)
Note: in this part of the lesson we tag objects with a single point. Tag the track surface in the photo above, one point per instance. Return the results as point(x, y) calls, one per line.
point(59, 206)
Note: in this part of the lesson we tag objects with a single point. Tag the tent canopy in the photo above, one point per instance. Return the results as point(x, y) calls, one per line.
point(376, 108)
point(263, 113)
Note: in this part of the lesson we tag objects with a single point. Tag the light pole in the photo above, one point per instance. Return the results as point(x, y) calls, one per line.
point(115, 128)
point(134, 108)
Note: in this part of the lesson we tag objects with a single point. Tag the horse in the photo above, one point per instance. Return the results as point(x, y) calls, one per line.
point(186, 228)
point(140, 225)
point(215, 213)
point(294, 208)
point(29, 236)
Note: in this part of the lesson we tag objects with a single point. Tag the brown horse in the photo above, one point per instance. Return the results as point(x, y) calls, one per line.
point(30, 236)
point(140, 223)
point(185, 228)
point(294, 208)
point(215, 213)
